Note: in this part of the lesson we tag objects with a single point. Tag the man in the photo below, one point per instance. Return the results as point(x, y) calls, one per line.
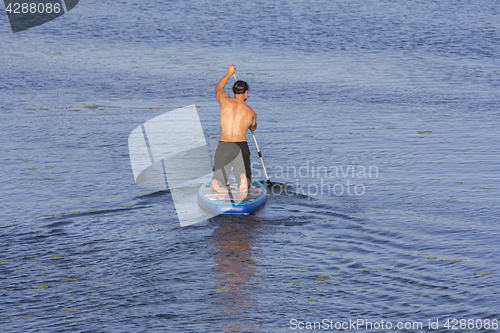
point(236, 117)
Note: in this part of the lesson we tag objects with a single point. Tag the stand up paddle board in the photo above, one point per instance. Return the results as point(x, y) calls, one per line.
point(233, 202)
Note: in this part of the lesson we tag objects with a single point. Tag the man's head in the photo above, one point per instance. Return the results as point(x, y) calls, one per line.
point(240, 87)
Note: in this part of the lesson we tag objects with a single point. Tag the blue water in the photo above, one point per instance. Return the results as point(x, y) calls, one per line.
point(381, 116)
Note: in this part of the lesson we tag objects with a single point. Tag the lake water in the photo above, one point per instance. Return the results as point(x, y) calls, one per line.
point(381, 116)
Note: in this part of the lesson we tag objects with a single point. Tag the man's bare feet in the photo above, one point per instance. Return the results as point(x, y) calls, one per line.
point(243, 183)
point(216, 186)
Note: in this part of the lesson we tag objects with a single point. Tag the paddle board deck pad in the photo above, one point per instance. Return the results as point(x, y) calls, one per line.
point(233, 202)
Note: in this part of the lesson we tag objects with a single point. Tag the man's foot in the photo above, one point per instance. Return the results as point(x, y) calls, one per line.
point(243, 183)
point(216, 186)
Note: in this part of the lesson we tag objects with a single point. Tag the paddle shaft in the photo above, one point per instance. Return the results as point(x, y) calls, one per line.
point(260, 156)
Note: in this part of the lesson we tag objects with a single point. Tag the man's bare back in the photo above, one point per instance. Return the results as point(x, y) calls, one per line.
point(236, 117)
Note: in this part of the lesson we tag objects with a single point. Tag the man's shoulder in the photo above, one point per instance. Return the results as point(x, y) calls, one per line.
point(245, 107)
point(250, 108)
point(222, 96)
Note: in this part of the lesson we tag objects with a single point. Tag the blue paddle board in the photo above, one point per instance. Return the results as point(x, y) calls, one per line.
point(233, 202)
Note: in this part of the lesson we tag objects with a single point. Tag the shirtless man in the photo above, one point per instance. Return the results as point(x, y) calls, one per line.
point(236, 117)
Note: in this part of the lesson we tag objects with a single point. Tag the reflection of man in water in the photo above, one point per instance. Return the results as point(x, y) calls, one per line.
point(236, 117)
point(235, 300)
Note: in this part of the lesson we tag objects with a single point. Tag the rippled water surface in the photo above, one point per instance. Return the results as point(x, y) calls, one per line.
point(382, 118)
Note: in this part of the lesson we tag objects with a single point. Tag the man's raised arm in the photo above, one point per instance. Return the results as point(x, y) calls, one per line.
point(219, 88)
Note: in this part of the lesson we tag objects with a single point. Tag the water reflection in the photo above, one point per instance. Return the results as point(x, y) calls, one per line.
point(234, 272)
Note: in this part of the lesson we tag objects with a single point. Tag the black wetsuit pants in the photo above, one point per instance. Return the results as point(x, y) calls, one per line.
point(235, 155)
